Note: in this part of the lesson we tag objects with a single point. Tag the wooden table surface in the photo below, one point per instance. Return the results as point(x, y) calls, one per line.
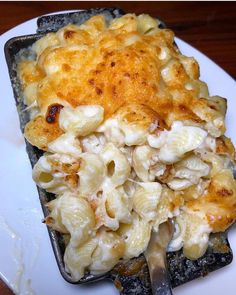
point(208, 26)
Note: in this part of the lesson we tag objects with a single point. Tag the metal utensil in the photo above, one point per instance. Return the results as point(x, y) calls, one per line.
point(155, 255)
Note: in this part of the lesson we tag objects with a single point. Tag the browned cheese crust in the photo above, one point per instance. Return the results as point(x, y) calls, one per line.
point(116, 66)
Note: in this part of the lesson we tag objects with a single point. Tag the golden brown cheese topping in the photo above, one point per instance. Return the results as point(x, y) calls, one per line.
point(117, 65)
point(219, 202)
point(39, 132)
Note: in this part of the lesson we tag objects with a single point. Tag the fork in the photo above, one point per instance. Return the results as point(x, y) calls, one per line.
point(155, 255)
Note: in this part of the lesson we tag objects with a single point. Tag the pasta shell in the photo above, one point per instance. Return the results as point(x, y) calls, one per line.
point(82, 120)
point(141, 162)
point(77, 259)
point(76, 215)
point(109, 250)
point(180, 140)
point(196, 235)
point(146, 198)
point(118, 167)
point(67, 143)
point(51, 172)
point(91, 173)
point(47, 41)
point(146, 23)
point(136, 236)
point(113, 209)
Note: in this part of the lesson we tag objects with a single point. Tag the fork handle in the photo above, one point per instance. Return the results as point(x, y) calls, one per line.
point(155, 255)
point(159, 281)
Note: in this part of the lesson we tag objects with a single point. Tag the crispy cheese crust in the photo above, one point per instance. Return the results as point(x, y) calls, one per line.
point(118, 65)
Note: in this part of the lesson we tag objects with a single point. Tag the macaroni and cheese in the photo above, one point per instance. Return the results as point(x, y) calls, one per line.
point(131, 137)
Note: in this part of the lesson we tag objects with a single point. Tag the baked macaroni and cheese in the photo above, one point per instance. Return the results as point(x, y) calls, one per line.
point(131, 138)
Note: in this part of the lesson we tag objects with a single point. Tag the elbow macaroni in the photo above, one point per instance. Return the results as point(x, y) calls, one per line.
point(135, 139)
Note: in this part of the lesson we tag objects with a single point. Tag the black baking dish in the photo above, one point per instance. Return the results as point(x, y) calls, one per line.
point(131, 277)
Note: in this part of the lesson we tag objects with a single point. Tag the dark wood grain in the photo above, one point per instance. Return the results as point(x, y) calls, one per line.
point(208, 26)
point(4, 290)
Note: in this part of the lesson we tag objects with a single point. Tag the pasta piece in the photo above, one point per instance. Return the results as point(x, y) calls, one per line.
point(76, 215)
point(56, 173)
point(73, 35)
point(118, 168)
point(109, 250)
point(191, 67)
point(136, 236)
point(49, 40)
point(114, 207)
point(53, 61)
point(91, 173)
point(192, 233)
point(178, 141)
point(141, 162)
point(67, 144)
point(82, 120)
point(93, 143)
point(95, 25)
point(78, 259)
point(217, 162)
point(174, 73)
point(146, 198)
point(188, 172)
point(127, 23)
point(196, 234)
point(40, 133)
point(146, 163)
point(112, 132)
point(128, 152)
point(147, 24)
point(54, 219)
point(212, 110)
point(168, 206)
point(30, 94)
point(197, 87)
point(131, 124)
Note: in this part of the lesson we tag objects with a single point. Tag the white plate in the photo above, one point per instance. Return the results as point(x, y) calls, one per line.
point(27, 262)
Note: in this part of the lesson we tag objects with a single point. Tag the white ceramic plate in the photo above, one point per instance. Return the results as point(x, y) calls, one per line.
point(27, 262)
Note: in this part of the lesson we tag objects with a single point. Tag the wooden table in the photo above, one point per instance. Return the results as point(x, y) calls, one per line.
point(208, 26)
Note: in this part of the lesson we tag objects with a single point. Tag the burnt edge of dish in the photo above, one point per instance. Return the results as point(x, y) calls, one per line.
point(130, 277)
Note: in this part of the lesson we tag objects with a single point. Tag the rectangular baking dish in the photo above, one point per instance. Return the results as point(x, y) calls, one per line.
point(131, 277)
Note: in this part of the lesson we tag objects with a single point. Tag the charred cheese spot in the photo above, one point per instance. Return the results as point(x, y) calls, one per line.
point(53, 113)
point(224, 192)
